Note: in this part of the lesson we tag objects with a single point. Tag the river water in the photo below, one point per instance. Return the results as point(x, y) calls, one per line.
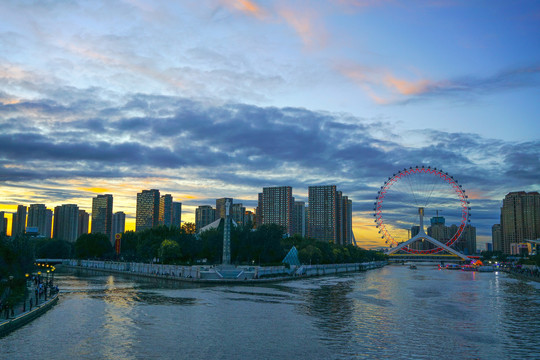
point(388, 313)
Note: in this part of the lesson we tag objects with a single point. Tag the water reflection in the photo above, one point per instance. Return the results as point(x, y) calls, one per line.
point(390, 313)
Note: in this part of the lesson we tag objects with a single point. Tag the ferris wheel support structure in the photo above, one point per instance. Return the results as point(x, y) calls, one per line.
point(423, 236)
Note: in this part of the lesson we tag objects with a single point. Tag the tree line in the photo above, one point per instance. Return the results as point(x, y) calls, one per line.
point(263, 246)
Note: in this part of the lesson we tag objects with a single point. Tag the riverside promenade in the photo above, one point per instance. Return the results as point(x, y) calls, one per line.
point(22, 314)
point(220, 274)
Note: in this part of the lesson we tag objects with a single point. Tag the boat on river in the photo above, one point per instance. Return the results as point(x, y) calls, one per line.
point(412, 267)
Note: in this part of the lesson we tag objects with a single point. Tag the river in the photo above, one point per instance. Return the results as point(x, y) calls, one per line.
point(388, 313)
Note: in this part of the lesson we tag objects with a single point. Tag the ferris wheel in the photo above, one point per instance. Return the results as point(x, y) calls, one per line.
point(423, 190)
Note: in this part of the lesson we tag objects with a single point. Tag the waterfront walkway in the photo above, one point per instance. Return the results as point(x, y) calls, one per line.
point(221, 274)
point(23, 314)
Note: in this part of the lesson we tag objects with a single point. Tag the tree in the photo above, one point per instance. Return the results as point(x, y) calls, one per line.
point(169, 251)
point(93, 246)
point(189, 228)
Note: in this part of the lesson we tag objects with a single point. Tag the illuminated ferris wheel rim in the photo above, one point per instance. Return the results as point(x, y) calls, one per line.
point(458, 189)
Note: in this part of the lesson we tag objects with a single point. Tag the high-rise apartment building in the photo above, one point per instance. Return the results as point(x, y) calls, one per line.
point(237, 213)
point(119, 223)
point(322, 213)
point(166, 210)
point(220, 207)
point(249, 218)
point(329, 215)
point(520, 218)
point(3, 223)
point(204, 215)
point(347, 221)
point(102, 211)
point(258, 211)
point(41, 218)
point(84, 219)
point(66, 222)
point(496, 237)
point(299, 218)
point(147, 210)
point(18, 224)
point(177, 214)
point(277, 206)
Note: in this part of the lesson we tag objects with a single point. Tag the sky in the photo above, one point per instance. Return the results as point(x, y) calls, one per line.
point(220, 98)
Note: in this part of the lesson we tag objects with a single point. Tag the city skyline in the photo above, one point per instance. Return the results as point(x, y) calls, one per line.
point(223, 98)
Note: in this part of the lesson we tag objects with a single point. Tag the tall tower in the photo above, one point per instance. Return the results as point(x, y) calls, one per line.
point(119, 223)
point(102, 206)
point(84, 219)
point(299, 218)
point(18, 224)
point(66, 222)
point(277, 205)
point(147, 210)
point(227, 234)
point(3, 223)
point(41, 218)
point(496, 237)
point(520, 218)
point(166, 210)
point(177, 214)
point(322, 213)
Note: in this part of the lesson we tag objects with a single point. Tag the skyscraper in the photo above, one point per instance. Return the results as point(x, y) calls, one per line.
point(119, 223)
point(204, 215)
point(220, 207)
point(322, 214)
point(3, 223)
point(347, 221)
point(237, 212)
point(166, 210)
point(66, 222)
point(41, 218)
point(496, 237)
point(102, 206)
point(299, 218)
point(147, 210)
point(177, 214)
point(18, 224)
point(83, 221)
point(258, 211)
point(520, 218)
point(277, 205)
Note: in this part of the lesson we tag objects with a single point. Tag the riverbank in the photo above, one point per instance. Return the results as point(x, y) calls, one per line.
point(523, 273)
point(220, 274)
point(11, 324)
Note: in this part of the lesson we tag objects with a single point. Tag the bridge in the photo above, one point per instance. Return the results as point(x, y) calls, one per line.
point(434, 258)
point(50, 261)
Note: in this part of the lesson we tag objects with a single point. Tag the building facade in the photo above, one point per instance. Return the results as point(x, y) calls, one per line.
point(119, 223)
point(41, 218)
point(520, 218)
point(237, 213)
point(18, 224)
point(66, 222)
point(299, 219)
point(102, 211)
point(84, 220)
point(220, 207)
point(277, 206)
point(166, 210)
point(147, 213)
point(3, 223)
point(322, 213)
point(496, 237)
point(204, 215)
point(177, 214)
